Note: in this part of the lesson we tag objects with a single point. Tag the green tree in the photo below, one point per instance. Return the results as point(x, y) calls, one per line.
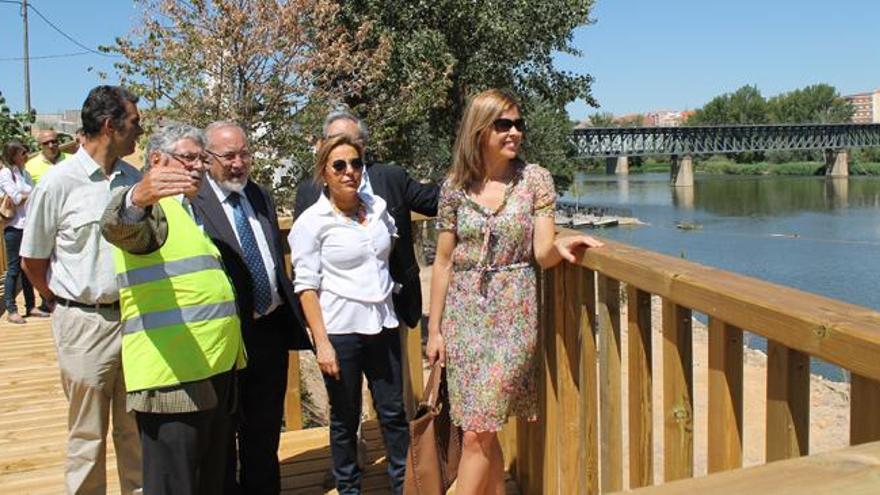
point(443, 51)
point(819, 103)
point(602, 119)
point(746, 105)
point(15, 126)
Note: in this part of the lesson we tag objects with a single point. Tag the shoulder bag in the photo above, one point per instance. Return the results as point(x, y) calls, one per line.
point(435, 443)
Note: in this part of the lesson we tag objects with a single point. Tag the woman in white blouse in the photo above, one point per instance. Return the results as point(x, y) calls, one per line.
point(16, 185)
point(339, 250)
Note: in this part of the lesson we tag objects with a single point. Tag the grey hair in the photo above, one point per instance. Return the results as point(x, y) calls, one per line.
point(221, 124)
point(166, 138)
point(343, 114)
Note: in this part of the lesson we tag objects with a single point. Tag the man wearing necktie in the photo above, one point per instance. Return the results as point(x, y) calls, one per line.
point(239, 217)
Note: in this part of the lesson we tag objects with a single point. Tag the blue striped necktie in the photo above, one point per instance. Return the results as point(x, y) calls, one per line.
point(252, 256)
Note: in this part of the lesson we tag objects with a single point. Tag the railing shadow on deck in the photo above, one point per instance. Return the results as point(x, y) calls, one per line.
point(576, 446)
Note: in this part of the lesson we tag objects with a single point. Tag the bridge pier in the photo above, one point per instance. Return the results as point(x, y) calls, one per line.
point(837, 163)
point(617, 165)
point(681, 173)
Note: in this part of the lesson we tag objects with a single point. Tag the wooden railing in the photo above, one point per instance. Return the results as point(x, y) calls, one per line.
point(577, 444)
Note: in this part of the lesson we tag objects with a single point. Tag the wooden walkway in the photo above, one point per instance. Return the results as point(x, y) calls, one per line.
point(33, 427)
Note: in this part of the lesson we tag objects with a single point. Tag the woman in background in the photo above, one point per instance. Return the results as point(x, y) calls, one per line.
point(495, 219)
point(15, 186)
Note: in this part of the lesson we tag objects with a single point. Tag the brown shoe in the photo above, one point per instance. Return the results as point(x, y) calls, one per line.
point(15, 318)
point(38, 313)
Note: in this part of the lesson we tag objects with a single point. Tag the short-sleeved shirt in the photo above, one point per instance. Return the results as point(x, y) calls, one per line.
point(63, 225)
point(39, 165)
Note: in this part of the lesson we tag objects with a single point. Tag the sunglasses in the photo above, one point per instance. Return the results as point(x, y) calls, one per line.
point(340, 165)
point(51, 141)
point(505, 125)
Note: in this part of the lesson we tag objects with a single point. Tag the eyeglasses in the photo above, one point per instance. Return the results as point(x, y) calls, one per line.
point(190, 158)
point(230, 156)
point(504, 125)
point(340, 165)
point(51, 141)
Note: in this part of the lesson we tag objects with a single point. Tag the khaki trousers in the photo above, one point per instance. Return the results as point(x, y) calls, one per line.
point(89, 346)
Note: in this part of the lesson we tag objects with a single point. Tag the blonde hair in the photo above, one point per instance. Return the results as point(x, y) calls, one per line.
point(330, 144)
point(468, 167)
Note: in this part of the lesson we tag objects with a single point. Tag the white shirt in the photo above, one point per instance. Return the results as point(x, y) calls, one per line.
point(262, 238)
point(16, 184)
point(347, 263)
point(64, 225)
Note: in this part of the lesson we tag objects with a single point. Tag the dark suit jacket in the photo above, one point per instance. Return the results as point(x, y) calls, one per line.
point(402, 194)
point(208, 209)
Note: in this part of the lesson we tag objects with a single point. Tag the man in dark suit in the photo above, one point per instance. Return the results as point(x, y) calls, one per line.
point(402, 194)
point(239, 217)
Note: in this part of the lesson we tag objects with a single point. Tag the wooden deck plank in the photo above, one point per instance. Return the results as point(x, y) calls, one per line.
point(33, 428)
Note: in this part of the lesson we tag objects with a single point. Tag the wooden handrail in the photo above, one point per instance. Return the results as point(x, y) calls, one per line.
point(840, 333)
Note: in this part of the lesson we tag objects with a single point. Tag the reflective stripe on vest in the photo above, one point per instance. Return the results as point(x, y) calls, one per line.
point(167, 270)
point(177, 316)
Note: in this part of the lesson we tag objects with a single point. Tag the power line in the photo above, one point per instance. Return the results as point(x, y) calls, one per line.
point(41, 57)
point(62, 33)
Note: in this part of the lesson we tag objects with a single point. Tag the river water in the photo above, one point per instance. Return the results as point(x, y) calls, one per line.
point(815, 234)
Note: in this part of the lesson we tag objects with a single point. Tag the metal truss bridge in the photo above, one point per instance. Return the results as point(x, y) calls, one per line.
point(637, 141)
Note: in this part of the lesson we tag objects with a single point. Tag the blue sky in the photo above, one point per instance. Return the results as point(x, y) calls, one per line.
point(644, 54)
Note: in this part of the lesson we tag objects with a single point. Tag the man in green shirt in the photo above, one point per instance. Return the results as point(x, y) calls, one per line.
point(50, 154)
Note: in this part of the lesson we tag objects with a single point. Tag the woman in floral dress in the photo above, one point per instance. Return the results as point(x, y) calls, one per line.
point(495, 219)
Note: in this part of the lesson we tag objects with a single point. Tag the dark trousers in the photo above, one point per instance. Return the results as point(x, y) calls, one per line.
point(12, 236)
point(262, 385)
point(186, 453)
point(378, 358)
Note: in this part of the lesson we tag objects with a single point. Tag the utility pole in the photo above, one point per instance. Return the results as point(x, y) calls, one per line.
point(27, 68)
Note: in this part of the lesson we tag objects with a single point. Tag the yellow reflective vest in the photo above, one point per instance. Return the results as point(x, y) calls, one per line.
point(178, 312)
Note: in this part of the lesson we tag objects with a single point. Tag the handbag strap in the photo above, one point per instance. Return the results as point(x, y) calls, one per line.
point(432, 388)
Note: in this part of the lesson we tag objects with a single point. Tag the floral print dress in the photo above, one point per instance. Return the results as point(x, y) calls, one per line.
point(490, 320)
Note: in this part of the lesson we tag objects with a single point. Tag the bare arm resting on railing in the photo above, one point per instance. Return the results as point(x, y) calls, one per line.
point(549, 250)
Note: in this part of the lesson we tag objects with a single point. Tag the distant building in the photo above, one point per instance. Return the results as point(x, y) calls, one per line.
point(867, 107)
point(667, 118)
point(68, 121)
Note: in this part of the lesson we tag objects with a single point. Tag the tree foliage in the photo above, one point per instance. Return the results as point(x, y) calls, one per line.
point(261, 63)
point(406, 66)
point(446, 50)
point(746, 105)
point(819, 103)
point(15, 127)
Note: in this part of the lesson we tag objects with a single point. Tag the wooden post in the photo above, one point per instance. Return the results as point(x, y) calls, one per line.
point(641, 383)
point(293, 395)
point(588, 439)
point(411, 361)
point(678, 386)
point(554, 298)
point(725, 396)
point(788, 402)
point(610, 410)
point(864, 419)
point(567, 379)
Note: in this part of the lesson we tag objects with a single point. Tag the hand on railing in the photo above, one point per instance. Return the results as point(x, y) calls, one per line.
point(570, 248)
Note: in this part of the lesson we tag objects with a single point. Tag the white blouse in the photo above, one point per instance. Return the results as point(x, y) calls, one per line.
point(16, 183)
point(347, 263)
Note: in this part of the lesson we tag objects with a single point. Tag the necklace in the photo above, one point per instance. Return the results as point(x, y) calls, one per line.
point(359, 217)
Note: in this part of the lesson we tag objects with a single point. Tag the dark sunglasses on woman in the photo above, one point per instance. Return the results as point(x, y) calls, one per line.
point(340, 165)
point(504, 125)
